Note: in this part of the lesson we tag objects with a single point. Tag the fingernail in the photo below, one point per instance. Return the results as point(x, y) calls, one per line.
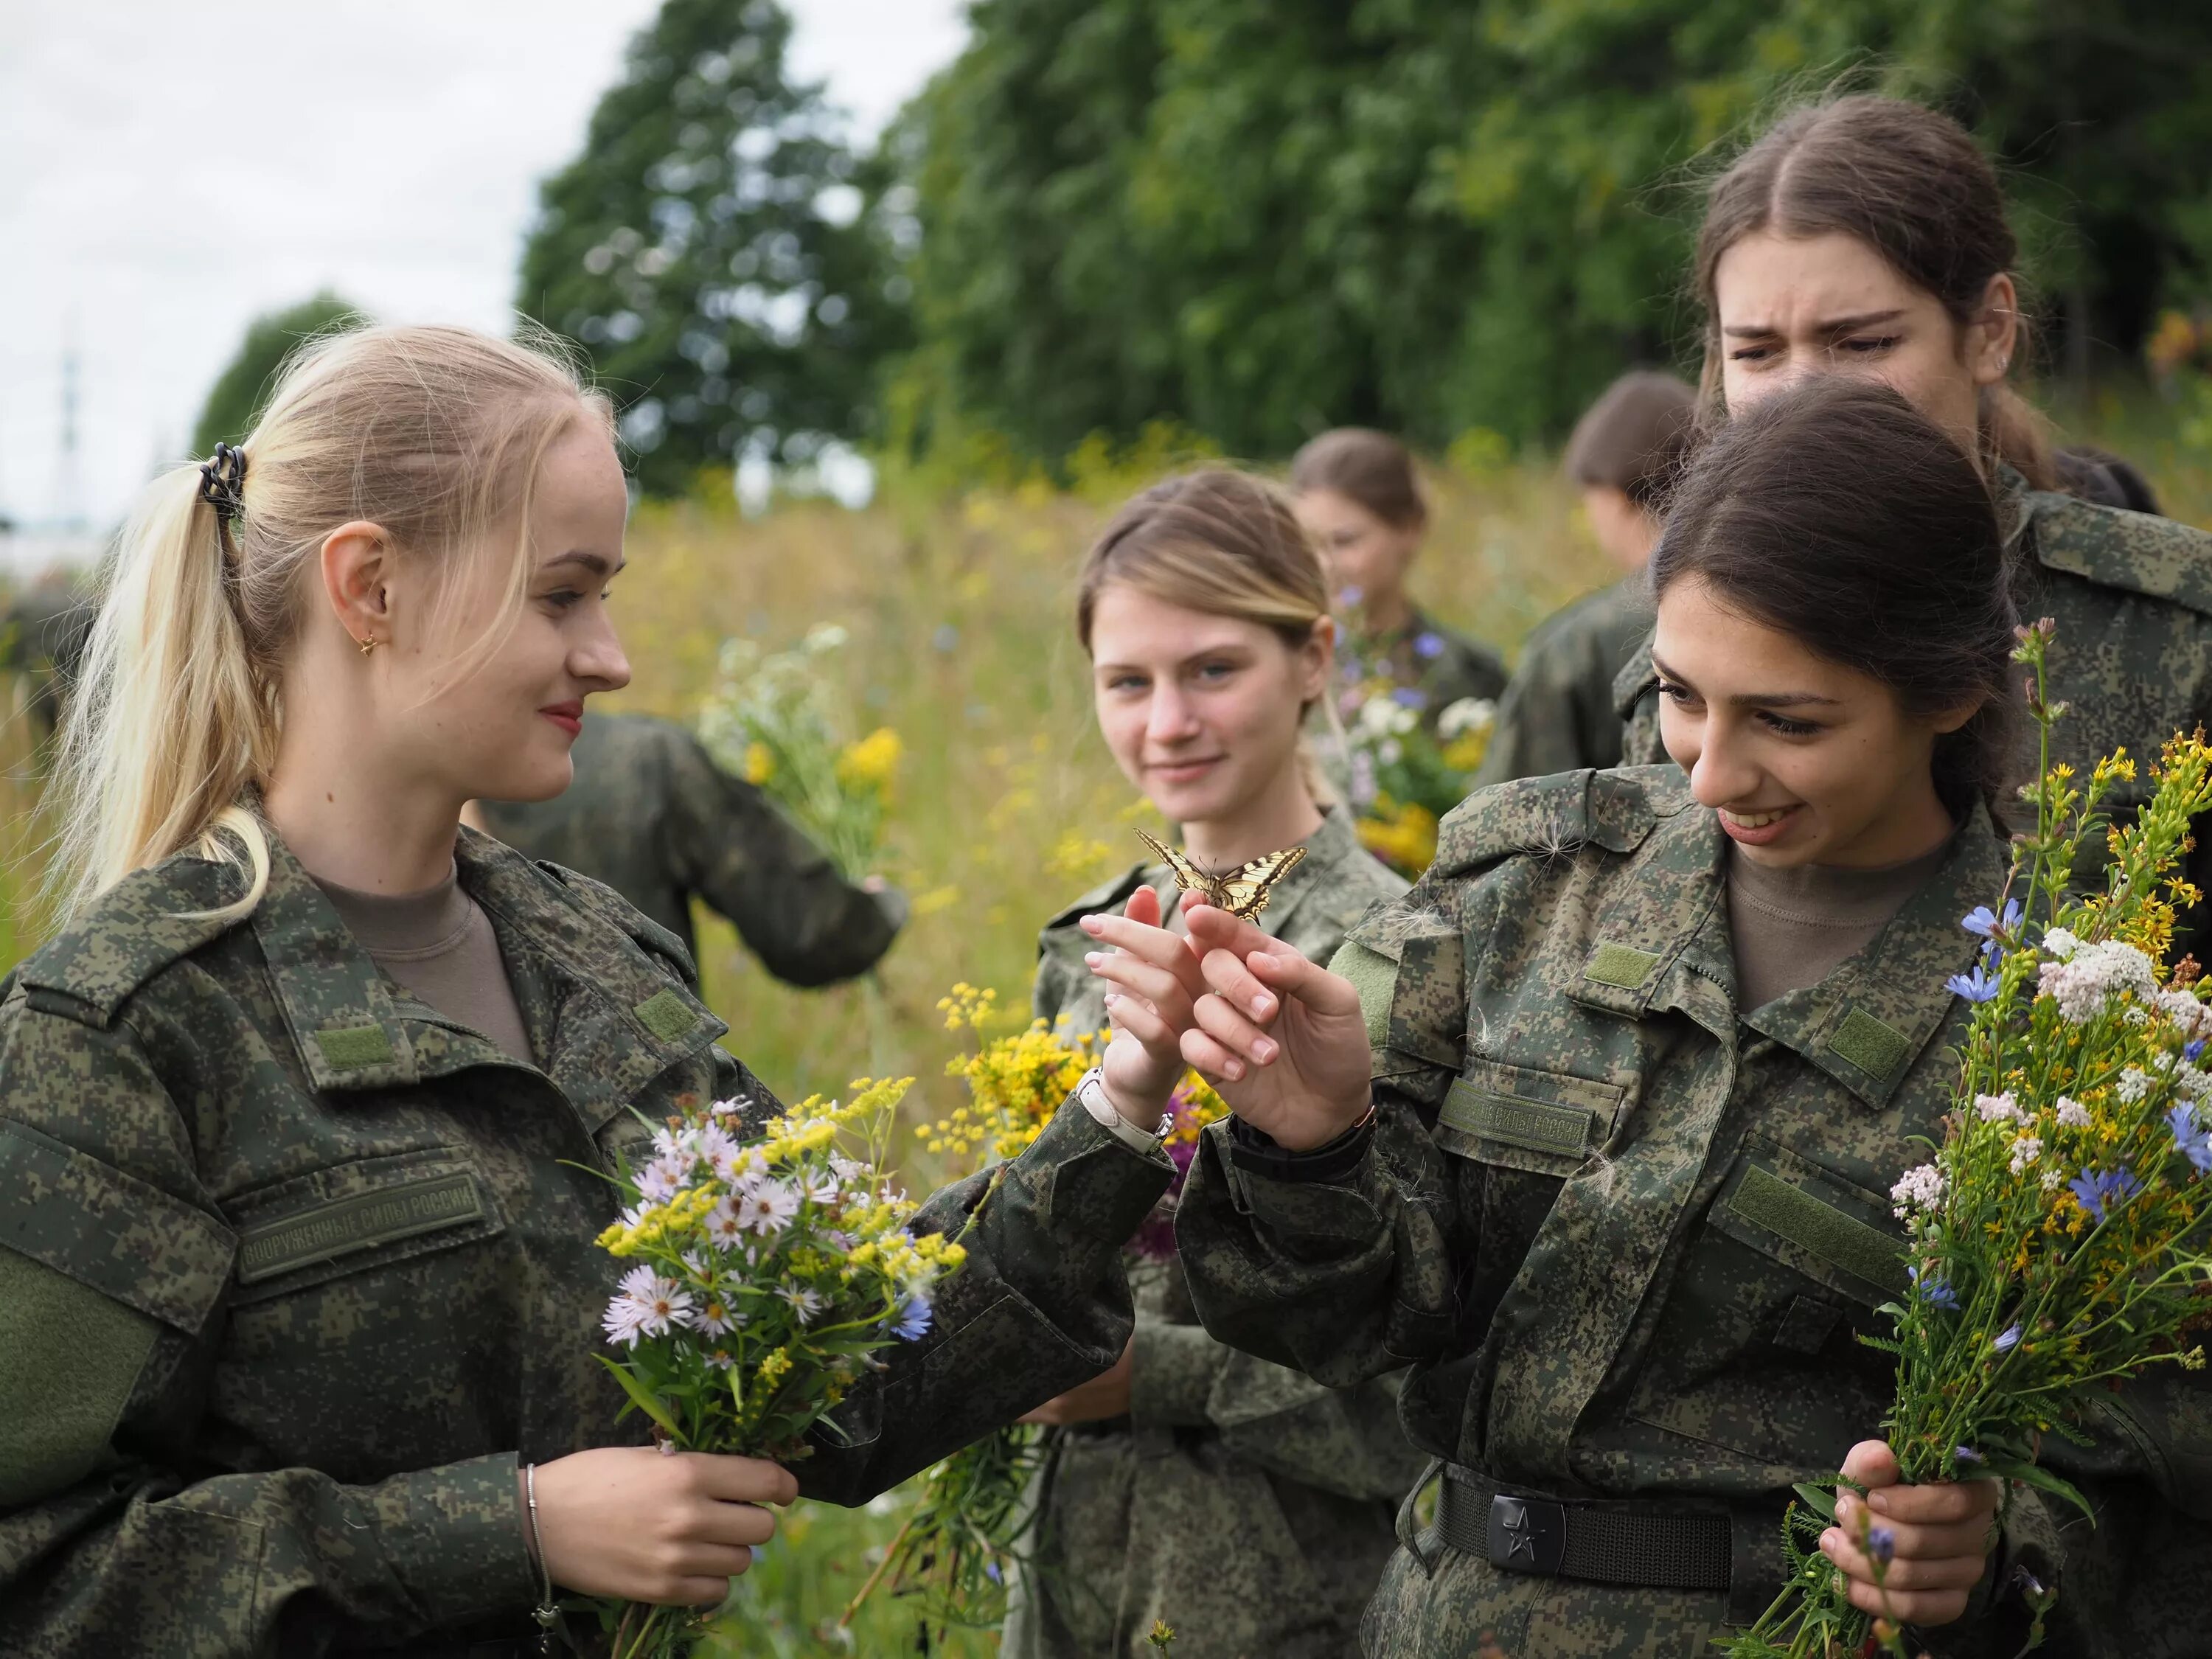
point(1264, 1052)
point(1090, 924)
point(1830, 1540)
point(1233, 1070)
point(1092, 959)
point(1263, 1007)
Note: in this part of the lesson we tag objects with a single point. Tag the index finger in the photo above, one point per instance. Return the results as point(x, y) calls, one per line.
point(1154, 944)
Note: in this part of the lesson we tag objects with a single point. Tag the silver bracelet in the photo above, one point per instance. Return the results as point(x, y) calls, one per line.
point(545, 1613)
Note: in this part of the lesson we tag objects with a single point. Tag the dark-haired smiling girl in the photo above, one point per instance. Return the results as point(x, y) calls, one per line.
point(1597, 1125)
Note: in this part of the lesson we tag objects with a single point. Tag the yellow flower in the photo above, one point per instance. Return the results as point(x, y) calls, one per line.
point(760, 763)
point(869, 763)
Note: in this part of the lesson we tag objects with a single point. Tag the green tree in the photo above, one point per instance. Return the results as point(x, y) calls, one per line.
point(234, 401)
point(1260, 217)
point(712, 252)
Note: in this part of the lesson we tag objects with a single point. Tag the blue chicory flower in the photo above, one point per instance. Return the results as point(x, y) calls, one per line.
point(2190, 1049)
point(911, 1323)
point(1975, 987)
point(991, 1571)
point(2096, 1190)
point(1881, 1544)
point(1967, 1454)
point(1984, 923)
point(2004, 1342)
point(1934, 1291)
point(1428, 645)
point(1406, 696)
point(2190, 1138)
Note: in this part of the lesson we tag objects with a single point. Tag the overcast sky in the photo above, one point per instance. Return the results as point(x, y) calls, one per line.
point(168, 171)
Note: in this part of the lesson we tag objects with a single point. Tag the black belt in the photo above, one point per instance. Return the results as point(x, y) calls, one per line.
point(1610, 1543)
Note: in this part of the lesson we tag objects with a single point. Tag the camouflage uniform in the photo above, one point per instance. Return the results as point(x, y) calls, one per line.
point(293, 1270)
point(2132, 597)
point(1557, 715)
point(1231, 1481)
point(652, 817)
point(1626, 1231)
point(1443, 664)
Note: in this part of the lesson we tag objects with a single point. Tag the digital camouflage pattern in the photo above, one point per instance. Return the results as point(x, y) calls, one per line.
point(1443, 664)
point(1625, 1232)
point(1244, 1503)
point(293, 1270)
point(2132, 597)
point(1557, 714)
point(652, 817)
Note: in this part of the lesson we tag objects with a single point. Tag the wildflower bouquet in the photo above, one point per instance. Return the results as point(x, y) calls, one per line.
point(774, 718)
point(766, 1276)
point(1401, 778)
point(2058, 1235)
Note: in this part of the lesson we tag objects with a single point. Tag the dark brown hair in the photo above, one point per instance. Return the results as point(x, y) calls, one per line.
point(1912, 184)
point(1634, 438)
point(1840, 515)
point(1369, 467)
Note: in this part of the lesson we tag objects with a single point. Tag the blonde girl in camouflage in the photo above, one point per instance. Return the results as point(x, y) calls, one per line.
point(1596, 1126)
point(1190, 1482)
point(304, 1113)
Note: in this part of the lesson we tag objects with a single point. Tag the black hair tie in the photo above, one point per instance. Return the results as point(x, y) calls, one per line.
point(222, 483)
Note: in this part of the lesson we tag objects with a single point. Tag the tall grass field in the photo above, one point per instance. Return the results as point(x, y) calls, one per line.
point(1005, 806)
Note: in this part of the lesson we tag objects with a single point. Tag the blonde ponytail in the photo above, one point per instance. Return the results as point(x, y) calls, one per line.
point(435, 434)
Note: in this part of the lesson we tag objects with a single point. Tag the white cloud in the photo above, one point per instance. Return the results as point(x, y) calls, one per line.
point(166, 174)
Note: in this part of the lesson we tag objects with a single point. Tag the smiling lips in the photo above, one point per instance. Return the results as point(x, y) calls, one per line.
point(568, 716)
point(1756, 828)
point(1184, 771)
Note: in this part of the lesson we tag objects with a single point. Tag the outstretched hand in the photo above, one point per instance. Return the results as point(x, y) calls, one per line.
point(1155, 979)
point(1283, 1040)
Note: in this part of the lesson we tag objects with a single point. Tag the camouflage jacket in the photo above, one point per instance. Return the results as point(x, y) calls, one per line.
point(1443, 664)
point(1558, 713)
point(1625, 1232)
point(652, 817)
point(1230, 1478)
point(2132, 597)
point(294, 1269)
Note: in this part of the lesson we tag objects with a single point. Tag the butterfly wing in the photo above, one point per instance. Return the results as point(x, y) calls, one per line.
point(1245, 891)
point(1189, 876)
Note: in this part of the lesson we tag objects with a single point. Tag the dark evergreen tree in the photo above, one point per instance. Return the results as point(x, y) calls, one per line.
point(712, 252)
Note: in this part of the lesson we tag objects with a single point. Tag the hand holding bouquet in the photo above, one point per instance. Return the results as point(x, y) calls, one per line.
point(2058, 1237)
point(764, 1278)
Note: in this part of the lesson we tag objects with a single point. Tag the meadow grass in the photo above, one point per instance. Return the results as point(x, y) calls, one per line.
point(1007, 806)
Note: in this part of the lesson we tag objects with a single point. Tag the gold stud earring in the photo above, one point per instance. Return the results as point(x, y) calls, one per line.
point(369, 644)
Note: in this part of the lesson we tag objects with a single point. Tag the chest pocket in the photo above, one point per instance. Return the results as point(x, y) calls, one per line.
point(1542, 1123)
point(354, 1217)
point(1812, 1221)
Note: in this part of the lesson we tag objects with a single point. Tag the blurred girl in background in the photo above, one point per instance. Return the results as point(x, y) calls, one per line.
point(1360, 499)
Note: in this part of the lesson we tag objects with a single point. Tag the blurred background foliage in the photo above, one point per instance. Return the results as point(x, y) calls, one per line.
point(234, 403)
point(1254, 219)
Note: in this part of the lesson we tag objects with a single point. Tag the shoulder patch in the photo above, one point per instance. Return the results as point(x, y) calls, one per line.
point(146, 920)
point(1105, 896)
point(611, 907)
point(1614, 810)
point(2136, 552)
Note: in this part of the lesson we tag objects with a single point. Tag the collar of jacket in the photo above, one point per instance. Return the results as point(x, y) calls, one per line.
point(1863, 1025)
point(1326, 848)
point(622, 1020)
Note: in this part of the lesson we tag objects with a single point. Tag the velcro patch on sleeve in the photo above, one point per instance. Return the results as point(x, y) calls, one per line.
point(351, 1048)
point(1375, 976)
point(667, 1015)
